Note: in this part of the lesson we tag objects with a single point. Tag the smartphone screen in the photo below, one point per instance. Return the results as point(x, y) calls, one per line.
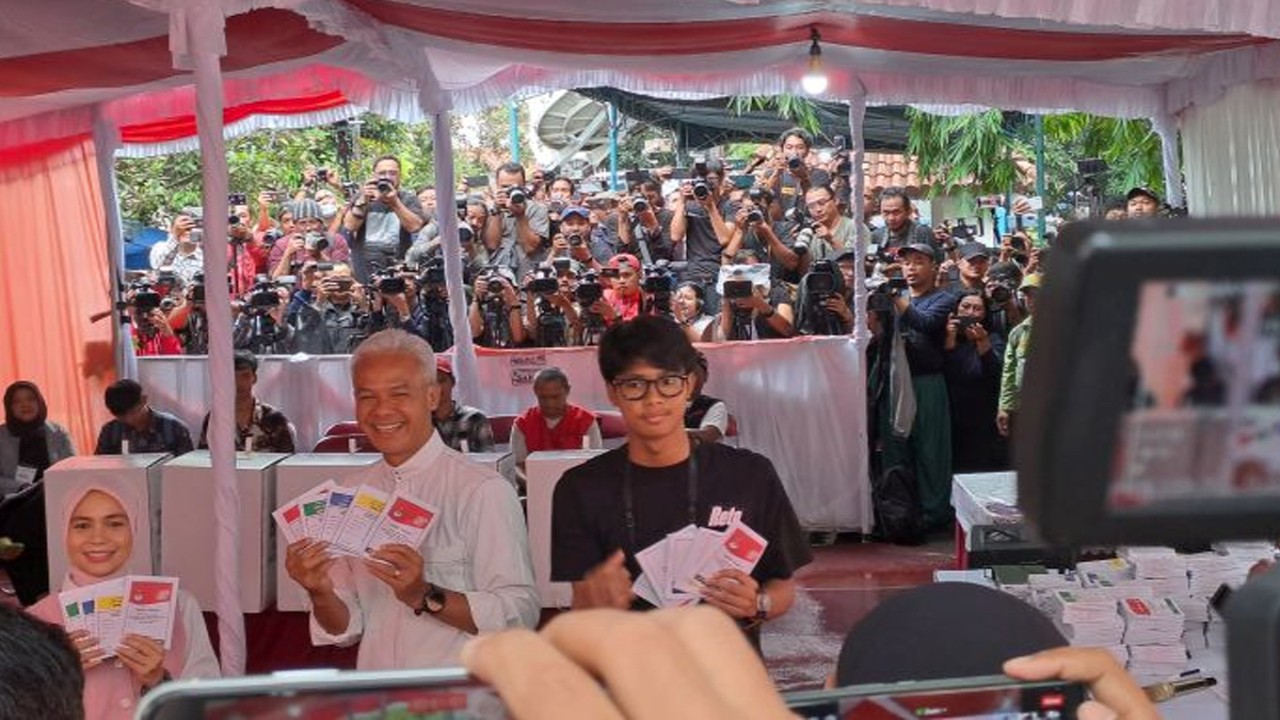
point(327, 695)
point(996, 698)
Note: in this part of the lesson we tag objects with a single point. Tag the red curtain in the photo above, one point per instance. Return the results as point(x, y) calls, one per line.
point(53, 277)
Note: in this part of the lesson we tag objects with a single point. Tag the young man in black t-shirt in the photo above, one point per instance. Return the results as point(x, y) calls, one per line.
point(647, 364)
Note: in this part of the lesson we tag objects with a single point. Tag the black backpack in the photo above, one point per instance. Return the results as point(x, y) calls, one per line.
point(896, 501)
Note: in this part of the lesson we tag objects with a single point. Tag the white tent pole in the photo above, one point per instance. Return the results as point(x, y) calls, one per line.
point(106, 139)
point(464, 351)
point(861, 334)
point(197, 33)
point(1167, 128)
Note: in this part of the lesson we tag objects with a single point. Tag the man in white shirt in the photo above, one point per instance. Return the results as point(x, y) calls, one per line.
point(416, 607)
point(181, 250)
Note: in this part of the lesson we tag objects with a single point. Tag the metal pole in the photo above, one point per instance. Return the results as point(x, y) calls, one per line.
point(613, 147)
point(513, 118)
point(1040, 178)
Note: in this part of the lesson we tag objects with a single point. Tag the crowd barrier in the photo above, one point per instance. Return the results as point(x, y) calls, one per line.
point(793, 399)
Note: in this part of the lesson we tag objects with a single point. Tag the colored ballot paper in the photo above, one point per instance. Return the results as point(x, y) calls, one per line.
point(77, 610)
point(405, 521)
point(151, 608)
point(361, 518)
point(677, 567)
point(289, 520)
point(109, 608)
point(313, 511)
point(340, 499)
point(291, 517)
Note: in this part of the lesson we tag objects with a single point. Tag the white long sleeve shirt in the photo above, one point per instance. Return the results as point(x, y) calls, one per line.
point(478, 546)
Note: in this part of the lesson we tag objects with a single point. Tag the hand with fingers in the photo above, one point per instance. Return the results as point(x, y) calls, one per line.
point(687, 662)
point(732, 591)
point(91, 652)
point(1116, 696)
point(607, 585)
point(400, 567)
point(144, 657)
point(308, 562)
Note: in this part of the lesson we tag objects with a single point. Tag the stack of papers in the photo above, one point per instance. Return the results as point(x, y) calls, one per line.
point(1116, 589)
point(1194, 636)
point(132, 605)
point(676, 567)
point(1206, 572)
point(1113, 569)
point(1146, 622)
point(1087, 618)
point(355, 521)
point(1157, 661)
point(1247, 553)
point(1163, 568)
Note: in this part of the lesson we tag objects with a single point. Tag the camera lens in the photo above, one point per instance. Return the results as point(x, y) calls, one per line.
point(384, 186)
point(794, 163)
point(700, 190)
point(639, 204)
point(516, 196)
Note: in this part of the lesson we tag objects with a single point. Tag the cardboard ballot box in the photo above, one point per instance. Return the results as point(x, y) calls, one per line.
point(188, 528)
point(136, 476)
point(543, 471)
point(294, 476)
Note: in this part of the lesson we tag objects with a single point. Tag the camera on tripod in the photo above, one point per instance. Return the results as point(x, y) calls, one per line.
point(737, 289)
point(589, 290)
point(145, 298)
point(264, 295)
point(196, 288)
point(823, 281)
point(658, 279)
point(389, 281)
point(545, 283)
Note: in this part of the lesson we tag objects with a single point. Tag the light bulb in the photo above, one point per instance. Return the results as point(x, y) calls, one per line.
point(814, 81)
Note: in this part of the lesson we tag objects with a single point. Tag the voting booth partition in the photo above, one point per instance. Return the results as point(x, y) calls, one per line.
point(135, 479)
point(543, 473)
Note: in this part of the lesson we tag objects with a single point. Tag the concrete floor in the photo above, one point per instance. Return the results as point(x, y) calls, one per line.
point(844, 583)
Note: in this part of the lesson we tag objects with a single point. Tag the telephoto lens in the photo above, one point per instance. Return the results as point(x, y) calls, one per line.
point(639, 204)
point(384, 186)
point(794, 163)
point(700, 189)
point(516, 196)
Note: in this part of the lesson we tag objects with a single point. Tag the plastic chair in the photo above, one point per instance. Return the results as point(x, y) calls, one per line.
point(731, 431)
point(342, 444)
point(502, 425)
point(344, 428)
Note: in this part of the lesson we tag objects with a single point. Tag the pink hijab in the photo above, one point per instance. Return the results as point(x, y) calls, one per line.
point(109, 681)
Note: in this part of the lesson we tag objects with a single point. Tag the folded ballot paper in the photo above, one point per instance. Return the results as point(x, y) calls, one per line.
point(676, 567)
point(355, 521)
point(132, 605)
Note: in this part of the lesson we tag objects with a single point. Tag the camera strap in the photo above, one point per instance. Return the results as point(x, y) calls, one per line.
point(628, 498)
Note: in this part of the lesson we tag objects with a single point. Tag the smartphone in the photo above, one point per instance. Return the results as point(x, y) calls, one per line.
point(478, 181)
point(447, 694)
point(982, 698)
point(237, 199)
point(744, 182)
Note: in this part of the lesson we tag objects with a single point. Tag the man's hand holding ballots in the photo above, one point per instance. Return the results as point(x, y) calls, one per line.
point(355, 521)
point(693, 564)
point(112, 610)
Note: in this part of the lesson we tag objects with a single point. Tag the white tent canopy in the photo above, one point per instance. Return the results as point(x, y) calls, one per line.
point(107, 67)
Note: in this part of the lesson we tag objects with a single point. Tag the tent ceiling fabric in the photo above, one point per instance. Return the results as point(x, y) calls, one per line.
point(60, 58)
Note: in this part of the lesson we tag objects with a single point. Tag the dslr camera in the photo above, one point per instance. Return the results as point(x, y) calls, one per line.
point(145, 298)
point(384, 185)
point(639, 204)
point(700, 189)
point(517, 195)
point(315, 242)
point(737, 289)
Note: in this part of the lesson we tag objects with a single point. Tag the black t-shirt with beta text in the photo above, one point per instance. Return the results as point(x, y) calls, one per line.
point(588, 519)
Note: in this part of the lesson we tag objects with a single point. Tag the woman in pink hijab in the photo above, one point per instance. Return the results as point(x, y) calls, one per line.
point(100, 525)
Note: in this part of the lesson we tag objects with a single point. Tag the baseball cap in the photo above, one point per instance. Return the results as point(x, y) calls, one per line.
point(578, 210)
point(444, 365)
point(628, 258)
point(922, 248)
point(1142, 192)
point(1032, 280)
point(974, 249)
point(848, 255)
point(943, 630)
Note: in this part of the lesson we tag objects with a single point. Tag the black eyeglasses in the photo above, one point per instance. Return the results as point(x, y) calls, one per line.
point(638, 388)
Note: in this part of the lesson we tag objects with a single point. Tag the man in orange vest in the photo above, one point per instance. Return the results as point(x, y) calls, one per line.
point(554, 423)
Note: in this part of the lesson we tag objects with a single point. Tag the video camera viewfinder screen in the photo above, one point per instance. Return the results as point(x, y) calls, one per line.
point(1204, 385)
point(1039, 701)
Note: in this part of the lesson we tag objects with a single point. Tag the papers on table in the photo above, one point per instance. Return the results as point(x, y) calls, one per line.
point(132, 605)
point(355, 521)
point(675, 568)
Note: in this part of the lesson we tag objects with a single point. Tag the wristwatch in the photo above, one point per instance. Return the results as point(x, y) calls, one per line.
point(433, 601)
point(763, 605)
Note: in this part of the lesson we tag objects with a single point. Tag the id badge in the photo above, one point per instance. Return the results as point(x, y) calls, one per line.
point(25, 475)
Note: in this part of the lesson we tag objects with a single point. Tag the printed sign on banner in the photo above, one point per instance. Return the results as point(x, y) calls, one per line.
point(524, 366)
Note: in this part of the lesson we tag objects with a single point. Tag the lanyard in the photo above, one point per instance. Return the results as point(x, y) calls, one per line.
point(628, 499)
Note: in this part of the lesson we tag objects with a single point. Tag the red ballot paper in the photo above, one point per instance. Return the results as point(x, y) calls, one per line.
point(152, 605)
point(744, 545)
point(405, 521)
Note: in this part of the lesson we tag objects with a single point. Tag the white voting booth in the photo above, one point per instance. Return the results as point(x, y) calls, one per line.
point(294, 476)
point(543, 471)
point(135, 476)
point(188, 528)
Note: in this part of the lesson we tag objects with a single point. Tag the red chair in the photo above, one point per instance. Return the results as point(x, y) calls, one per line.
point(502, 425)
point(346, 427)
point(612, 426)
point(342, 444)
point(731, 427)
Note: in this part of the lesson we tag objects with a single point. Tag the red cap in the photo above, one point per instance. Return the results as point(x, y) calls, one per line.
point(444, 365)
point(628, 258)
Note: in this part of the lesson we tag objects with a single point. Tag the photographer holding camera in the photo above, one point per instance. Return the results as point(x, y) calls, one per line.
point(923, 310)
point(687, 309)
point(788, 179)
point(831, 232)
point(327, 318)
point(307, 242)
point(520, 238)
point(260, 325)
point(495, 310)
point(974, 260)
point(152, 333)
point(755, 233)
point(824, 300)
point(182, 249)
point(698, 223)
point(551, 320)
point(747, 313)
point(1001, 289)
point(900, 227)
point(974, 358)
point(644, 225)
point(382, 220)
